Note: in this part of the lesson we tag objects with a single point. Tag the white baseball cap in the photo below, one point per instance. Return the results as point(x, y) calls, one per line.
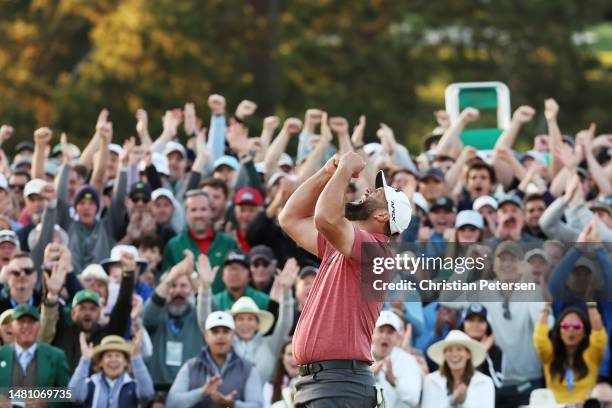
point(398, 205)
point(219, 319)
point(420, 201)
point(3, 183)
point(162, 192)
point(95, 271)
point(159, 161)
point(115, 148)
point(118, 250)
point(388, 318)
point(34, 186)
point(175, 147)
point(285, 160)
point(469, 217)
point(484, 201)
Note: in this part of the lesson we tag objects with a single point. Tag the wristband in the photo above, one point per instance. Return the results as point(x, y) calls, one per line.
point(591, 306)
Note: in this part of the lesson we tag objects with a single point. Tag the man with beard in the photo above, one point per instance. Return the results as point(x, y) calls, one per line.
point(332, 341)
point(199, 237)
point(171, 320)
point(85, 313)
point(510, 222)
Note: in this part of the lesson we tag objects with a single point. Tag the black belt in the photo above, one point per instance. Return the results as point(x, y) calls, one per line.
point(314, 368)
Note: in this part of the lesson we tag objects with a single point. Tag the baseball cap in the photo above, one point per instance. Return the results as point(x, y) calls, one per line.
point(26, 310)
point(469, 217)
point(237, 256)
point(537, 252)
point(307, 270)
point(388, 318)
point(433, 172)
point(219, 319)
point(510, 198)
point(34, 186)
point(443, 202)
point(86, 192)
point(162, 192)
point(420, 201)
point(475, 309)
point(600, 205)
point(510, 247)
point(76, 152)
point(159, 161)
point(248, 195)
point(3, 183)
point(95, 271)
point(398, 205)
point(175, 147)
point(22, 161)
point(261, 252)
point(21, 146)
point(372, 149)
point(84, 296)
point(115, 148)
point(260, 167)
point(285, 160)
point(535, 155)
point(229, 161)
point(51, 168)
point(140, 188)
point(483, 202)
point(7, 315)
point(277, 176)
point(7, 235)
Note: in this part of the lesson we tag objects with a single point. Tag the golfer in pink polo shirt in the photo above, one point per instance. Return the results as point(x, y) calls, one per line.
point(332, 341)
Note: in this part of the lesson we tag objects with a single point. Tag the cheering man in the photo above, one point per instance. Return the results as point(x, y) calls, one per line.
point(332, 341)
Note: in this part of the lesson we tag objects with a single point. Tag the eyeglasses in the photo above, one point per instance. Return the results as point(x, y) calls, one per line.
point(259, 263)
point(16, 186)
point(571, 325)
point(25, 271)
point(142, 198)
point(506, 307)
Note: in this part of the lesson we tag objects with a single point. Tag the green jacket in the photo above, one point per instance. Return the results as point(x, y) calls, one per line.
point(51, 366)
point(225, 301)
point(221, 245)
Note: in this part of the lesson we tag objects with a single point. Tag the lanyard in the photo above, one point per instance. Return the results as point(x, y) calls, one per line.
point(569, 379)
point(174, 327)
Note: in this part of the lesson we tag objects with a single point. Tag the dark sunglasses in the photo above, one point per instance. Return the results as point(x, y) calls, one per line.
point(16, 186)
point(260, 262)
point(25, 271)
point(572, 325)
point(142, 198)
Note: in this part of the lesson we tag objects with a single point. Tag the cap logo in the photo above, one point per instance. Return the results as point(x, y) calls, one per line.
point(248, 196)
point(476, 308)
point(392, 210)
point(87, 195)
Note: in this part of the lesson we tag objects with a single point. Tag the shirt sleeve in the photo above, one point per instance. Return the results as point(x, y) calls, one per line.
point(253, 395)
point(597, 345)
point(542, 343)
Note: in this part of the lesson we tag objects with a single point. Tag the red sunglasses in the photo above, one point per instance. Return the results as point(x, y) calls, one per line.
point(572, 325)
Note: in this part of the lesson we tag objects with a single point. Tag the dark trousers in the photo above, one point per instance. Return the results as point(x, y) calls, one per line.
point(513, 396)
point(336, 388)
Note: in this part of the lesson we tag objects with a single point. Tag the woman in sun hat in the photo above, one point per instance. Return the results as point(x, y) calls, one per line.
point(457, 383)
point(112, 386)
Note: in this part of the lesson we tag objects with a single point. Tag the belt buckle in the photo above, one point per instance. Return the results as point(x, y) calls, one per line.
point(316, 367)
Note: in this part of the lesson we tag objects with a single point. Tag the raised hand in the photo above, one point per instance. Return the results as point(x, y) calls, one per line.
point(292, 125)
point(523, 114)
point(442, 118)
point(170, 122)
point(55, 282)
point(86, 348)
point(142, 122)
point(128, 145)
point(106, 133)
point(271, 123)
point(127, 261)
point(137, 341)
point(326, 133)
point(353, 163)
point(102, 119)
point(289, 273)
point(359, 131)
point(216, 103)
point(136, 306)
point(6, 132)
point(469, 115)
point(551, 109)
point(206, 273)
point(189, 114)
point(245, 108)
point(571, 189)
point(389, 371)
point(313, 118)
point(42, 136)
point(67, 156)
point(238, 137)
point(339, 125)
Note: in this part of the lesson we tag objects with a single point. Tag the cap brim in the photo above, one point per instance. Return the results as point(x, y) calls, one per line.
point(380, 179)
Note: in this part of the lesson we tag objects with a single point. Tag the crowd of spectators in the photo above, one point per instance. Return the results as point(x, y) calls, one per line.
point(156, 272)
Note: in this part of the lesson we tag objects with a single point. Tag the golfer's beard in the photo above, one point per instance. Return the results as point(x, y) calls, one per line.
point(359, 211)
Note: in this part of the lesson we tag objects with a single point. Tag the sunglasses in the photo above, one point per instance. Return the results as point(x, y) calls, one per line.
point(258, 263)
point(16, 186)
point(571, 325)
point(142, 198)
point(25, 271)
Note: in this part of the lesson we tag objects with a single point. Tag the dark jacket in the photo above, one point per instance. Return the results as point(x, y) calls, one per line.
point(67, 333)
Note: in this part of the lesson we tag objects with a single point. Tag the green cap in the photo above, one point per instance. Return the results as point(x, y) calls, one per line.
point(511, 247)
point(86, 295)
point(26, 310)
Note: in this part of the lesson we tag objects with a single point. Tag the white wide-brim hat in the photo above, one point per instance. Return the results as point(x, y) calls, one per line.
point(457, 337)
point(247, 305)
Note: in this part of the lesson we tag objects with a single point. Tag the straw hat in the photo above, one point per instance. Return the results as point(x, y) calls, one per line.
point(542, 398)
point(247, 305)
point(6, 315)
point(457, 337)
point(112, 343)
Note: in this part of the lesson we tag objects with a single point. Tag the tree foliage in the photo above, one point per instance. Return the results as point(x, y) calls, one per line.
point(63, 60)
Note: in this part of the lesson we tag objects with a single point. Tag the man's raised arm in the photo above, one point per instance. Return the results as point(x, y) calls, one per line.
point(297, 217)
